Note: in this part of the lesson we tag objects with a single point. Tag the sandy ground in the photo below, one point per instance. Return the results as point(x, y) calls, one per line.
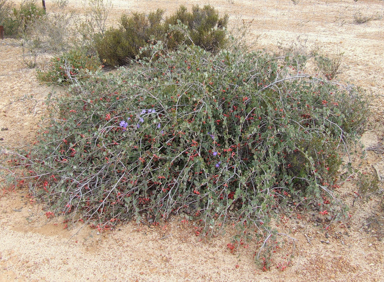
point(33, 248)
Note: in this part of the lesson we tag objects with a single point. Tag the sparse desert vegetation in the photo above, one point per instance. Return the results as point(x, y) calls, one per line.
point(177, 120)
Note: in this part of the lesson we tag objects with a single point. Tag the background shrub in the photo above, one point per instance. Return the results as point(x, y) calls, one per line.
point(53, 33)
point(72, 65)
point(17, 20)
point(6, 20)
point(5, 8)
point(330, 67)
point(120, 46)
point(27, 14)
point(206, 28)
point(360, 18)
point(62, 30)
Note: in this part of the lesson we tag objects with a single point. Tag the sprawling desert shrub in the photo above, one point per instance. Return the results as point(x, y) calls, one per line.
point(227, 137)
point(221, 136)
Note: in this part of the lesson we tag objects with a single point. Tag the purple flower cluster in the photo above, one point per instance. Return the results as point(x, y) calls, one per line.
point(218, 164)
point(124, 124)
point(143, 112)
point(150, 111)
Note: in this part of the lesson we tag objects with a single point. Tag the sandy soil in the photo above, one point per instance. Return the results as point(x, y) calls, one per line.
point(33, 248)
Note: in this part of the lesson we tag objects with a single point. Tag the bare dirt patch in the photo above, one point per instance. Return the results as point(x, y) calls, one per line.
point(33, 248)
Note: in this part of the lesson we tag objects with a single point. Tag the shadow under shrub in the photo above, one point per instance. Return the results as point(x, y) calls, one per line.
point(222, 137)
point(120, 46)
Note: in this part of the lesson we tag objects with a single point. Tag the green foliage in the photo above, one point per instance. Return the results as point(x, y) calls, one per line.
point(330, 67)
point(17, 20)
point(207, 30)
point(6, 19)
point(368, 184)
point(74, 64)
point(321, 153)
point(27, 14)
point(120, 46)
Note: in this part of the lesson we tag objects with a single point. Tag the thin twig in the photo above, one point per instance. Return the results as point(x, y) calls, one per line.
point(308, 240)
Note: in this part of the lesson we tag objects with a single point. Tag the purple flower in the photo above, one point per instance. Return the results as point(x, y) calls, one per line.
point(212, 136)
point(138, 125)
point(215, 153)
point(159, 125)
point(162, 132)
point(143, 112)
point(124, 125)
point(218, 164)
point(141, 119)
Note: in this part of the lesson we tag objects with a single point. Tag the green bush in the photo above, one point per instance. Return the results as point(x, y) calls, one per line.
point(231, 136)
point(27, 14)
point(6, 19)
point(368, 185)
point(120, 46)
point(206, 29)
point(17, 20)
point(71, 65)
point(330, 67)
